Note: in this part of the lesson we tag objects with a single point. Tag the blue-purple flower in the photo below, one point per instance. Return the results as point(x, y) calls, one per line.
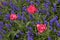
point(7, 17)
point(58, 34)
point(49, 38)
point(1, 37)
point(5, 3)
point(30, 35)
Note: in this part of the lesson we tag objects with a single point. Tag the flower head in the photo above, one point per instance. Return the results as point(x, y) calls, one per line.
point(13, 17)
point(32, 9)
point(41, 28)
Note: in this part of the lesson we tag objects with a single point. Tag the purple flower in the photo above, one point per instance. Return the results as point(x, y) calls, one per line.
point(23, 17)
point(38, 22)
point(51, 27)
point(19, 16)
point(48, 2)
point(45, 22)
point(1, 37)
point(30, 35)
point(54, 5)
point(31, 16)
point(54, 30)
point(49, 38)
point(17, 36)
point(12, 12)
point(4, 31)
point(1, 29)
point(54, 8)
point(1, 24)
point(0, 13)
point(14, 7)
point(53, 20)
point(56, 22)
point(58, 1)
point(28, 0)
point(5, 3)
point(31, 2)
point(43, 11)
point(29, 28)
point(58, 34)
point(24, 8)
point(7, 17)
point(8, 26)
point(30, 38)
point(38, 2)
point(58, 25)
point(46, 5)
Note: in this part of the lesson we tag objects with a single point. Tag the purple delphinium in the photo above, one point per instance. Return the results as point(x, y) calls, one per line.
point(31, 2)
point(43, 11)
point(54, 8)
point(31, 16)
point(27, 0)
point(5, 3)
point(30, 38)
point(49, 38)
point(30, 35)
point(38, 22)
point(14, 7)
point(38, 2)
point(53, 20)
point(0, 13)
point(24, 8)
point(7, 17)
point(51, 27)
point(46, 5)
point(8, 26)
point(47, 1)
point(57, 24)
point(23, 17)
point(4, 31)
point(19, 16)
point(1, 37)
point(29, 28)
point(54, 30)
point(58, 34)
point(45, 22)
point(17, 36)
point(58, 1)
point(12, 12)
point(1, 24)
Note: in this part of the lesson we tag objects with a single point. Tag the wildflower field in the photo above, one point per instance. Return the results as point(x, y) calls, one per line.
point(29, 19)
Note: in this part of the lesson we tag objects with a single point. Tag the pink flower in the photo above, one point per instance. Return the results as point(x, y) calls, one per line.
point(41, 28)
point(32, 9)
point(13, 17)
